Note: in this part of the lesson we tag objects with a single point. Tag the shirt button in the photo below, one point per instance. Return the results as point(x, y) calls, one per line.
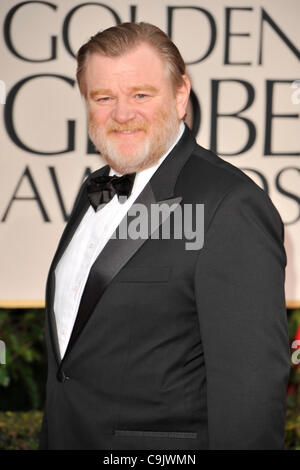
point(91, 245)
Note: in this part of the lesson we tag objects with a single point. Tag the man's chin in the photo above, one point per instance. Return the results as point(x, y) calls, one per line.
point(125, 164)
point(127, 159)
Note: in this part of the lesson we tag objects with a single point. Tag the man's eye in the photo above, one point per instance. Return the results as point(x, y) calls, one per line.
point(103, 99)
point(140, 96)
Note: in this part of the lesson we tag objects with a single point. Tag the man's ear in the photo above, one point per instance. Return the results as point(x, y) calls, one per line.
point(182, 97)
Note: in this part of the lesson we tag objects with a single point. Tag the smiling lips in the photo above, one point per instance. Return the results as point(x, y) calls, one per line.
point(135, 131)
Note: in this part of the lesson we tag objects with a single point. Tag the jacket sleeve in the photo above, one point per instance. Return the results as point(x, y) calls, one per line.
point(239, 286)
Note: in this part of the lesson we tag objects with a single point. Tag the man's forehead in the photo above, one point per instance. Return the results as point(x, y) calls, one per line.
point(141, 61)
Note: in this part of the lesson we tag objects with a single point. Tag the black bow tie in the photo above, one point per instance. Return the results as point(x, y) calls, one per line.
point(101, 189)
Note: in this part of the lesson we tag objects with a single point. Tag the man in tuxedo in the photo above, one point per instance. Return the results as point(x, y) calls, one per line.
point(153, 343)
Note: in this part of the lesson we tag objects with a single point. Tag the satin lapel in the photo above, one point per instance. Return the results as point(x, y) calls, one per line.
point(50, 315)
point(80, 207)
point(113, 257)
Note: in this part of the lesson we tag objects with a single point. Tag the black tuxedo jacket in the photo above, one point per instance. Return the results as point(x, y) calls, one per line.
point(175, 348)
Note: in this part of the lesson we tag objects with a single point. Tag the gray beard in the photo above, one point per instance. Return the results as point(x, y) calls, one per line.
point(146, 156)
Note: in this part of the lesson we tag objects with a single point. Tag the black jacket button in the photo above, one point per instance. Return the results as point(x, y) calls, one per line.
point(62, 376)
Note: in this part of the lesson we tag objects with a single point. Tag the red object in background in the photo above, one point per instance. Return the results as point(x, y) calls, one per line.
point(291, 389)
point(297, 336)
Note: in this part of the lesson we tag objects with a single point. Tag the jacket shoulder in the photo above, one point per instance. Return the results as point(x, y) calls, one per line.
point(212, 170)
point(208, 179)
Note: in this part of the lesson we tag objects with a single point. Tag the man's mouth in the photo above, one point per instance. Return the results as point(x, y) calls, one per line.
point(126, 131)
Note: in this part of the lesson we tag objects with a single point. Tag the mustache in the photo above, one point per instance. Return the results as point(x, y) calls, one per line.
point(128, 126)
point(135, 125)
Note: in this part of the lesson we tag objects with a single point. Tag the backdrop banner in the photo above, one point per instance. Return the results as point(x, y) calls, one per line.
point(243, 60)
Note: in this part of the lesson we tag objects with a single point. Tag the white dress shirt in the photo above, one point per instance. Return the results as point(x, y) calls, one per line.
point(91, 236)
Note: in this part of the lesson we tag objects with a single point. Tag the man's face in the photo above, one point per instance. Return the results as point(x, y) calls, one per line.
point(134, 113)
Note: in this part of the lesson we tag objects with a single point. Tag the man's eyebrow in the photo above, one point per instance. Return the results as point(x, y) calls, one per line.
point(144, 87)
point(100, 91)
point(137, 88)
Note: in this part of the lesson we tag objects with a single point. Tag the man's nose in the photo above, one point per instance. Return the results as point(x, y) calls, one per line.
point(123, 111)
